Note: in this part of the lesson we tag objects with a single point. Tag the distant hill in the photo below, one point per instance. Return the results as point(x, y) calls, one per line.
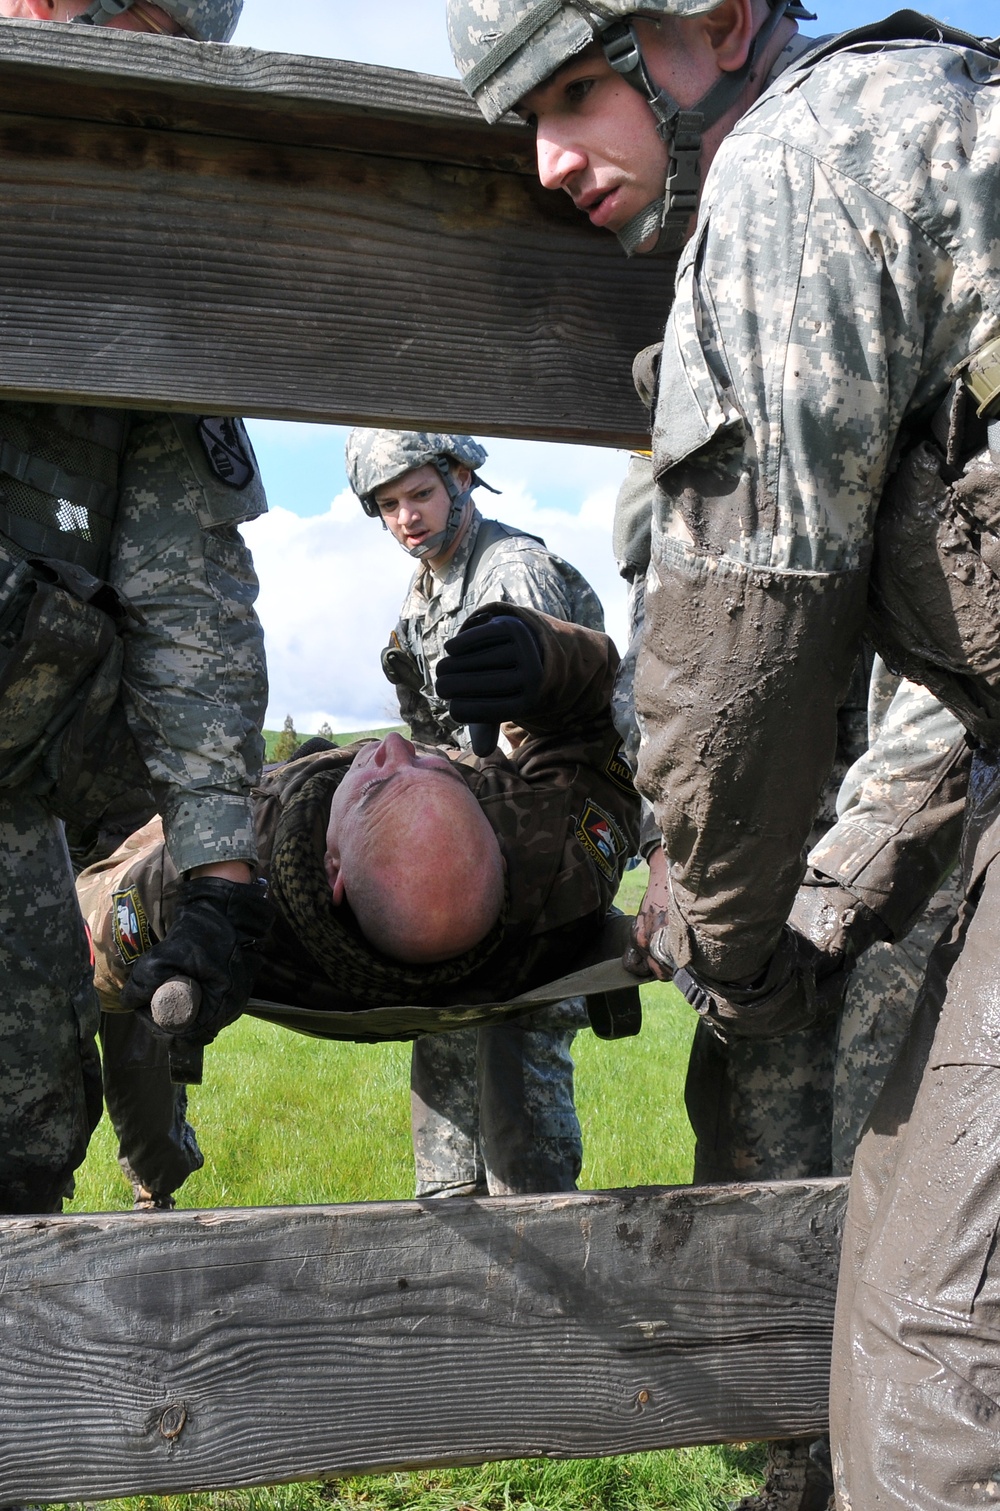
point(271, 737)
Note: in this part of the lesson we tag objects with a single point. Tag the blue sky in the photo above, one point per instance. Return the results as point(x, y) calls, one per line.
point(331, 580)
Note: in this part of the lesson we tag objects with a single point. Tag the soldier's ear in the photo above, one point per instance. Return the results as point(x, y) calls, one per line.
point(334, 874)
point(41, 10)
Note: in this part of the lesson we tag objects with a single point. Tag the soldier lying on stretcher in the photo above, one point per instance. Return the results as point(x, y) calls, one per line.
point(401, 876)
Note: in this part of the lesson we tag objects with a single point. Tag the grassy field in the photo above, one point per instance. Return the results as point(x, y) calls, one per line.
point(286, 1119)
point(271, 737)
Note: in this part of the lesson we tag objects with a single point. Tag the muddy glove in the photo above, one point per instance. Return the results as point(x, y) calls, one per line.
point(489, 674)
point(212, 941)
point(806, 978)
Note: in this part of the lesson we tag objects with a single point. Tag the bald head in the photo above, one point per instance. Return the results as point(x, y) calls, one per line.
point(413, 853)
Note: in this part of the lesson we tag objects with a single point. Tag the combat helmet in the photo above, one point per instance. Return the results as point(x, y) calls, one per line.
point(376, 457)
point(203, 20)
point(505, 48)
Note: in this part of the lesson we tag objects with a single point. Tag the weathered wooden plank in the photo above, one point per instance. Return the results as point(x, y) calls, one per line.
point(229, 231)
point(175, 1352)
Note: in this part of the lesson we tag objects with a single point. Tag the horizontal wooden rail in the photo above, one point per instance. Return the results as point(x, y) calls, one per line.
point(222, 230)
point(145, 1353)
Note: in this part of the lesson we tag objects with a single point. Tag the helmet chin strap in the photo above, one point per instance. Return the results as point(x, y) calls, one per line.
point(101, 12)
point(435, 544)
point(667, 217)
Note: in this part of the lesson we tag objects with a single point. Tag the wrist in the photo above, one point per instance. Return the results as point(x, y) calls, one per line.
point(226, 870)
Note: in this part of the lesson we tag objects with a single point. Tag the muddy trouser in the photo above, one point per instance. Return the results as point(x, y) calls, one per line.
point(156, 1142)
point(50, 1079)
point(793, 1108)
point(915, 1394)
point(492, 1108)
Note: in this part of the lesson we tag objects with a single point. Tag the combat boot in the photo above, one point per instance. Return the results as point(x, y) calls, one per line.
point(798, 1478)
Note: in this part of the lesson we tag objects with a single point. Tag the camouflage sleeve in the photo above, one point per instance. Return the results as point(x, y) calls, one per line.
point(195, 681)
point(634, 517)
point(901, 809)
point(775, 419)
point(530, 575)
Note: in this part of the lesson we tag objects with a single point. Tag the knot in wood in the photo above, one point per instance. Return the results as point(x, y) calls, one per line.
point(172, 1421)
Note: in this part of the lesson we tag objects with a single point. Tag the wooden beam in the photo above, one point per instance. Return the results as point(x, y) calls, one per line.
point(199, 1349)
point(221, 230)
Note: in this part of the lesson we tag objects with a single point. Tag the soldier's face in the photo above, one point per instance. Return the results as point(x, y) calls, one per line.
point(596, 140)
point(385, 780)
point(417, 504)
point(596, 136)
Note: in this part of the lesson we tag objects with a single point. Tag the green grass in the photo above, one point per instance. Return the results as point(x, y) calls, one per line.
point(271, 737)
point(286, 1119)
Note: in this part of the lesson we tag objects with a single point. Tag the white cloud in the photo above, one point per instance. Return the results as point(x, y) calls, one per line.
point(332, 584)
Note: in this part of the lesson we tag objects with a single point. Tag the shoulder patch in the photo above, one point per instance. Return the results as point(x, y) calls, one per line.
point(619, 770)
point(227, 450)
point(130, 925)
point(602, 839)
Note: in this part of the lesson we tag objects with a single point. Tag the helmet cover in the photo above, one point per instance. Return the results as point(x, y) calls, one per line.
point(505, 48)
point(205, 20)
point(202, 20)
point(376, 457)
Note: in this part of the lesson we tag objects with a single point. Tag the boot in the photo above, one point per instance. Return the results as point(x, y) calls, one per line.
point(798, 1478)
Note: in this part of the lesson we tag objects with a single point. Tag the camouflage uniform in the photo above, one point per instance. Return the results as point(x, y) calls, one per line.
point(565, 815)
point(843, 267)
point(165, 690)
point(491, 564)
point(793, 1107)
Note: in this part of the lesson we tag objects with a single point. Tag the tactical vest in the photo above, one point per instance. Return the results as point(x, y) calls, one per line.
point(60, 652)
point(59, 481)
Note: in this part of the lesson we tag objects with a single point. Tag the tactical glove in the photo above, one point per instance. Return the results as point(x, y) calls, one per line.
point(491, 673)
point(805, 980)
point(212, 941)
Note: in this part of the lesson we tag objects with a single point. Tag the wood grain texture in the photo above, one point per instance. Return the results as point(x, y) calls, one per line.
point(219, 230)
point(176, 1352)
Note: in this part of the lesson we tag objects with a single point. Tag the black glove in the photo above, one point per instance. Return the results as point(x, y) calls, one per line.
point(212, 941)
point(490, 673)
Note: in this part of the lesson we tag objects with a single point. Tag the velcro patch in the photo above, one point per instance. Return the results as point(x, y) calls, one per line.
point(619, 770)
point(227, 450)
point(602, 839)
point(129, 925)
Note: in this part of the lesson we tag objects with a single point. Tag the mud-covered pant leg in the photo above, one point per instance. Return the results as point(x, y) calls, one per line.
point(761, 1108)
point(878, 1011)
point(50, 1079)
point(444, 1115)
point(149, 1113)
point(530, 1130)
point(915, 1392)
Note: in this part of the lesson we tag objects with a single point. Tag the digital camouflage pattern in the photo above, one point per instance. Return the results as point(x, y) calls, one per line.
point(50, 1084)
point(518, 569)
point(376, 457)
point(514, 568)
point(205, 20)
point(523, 1135)
point(503, 48)
point(793, 1108)
point(193, 692)
point(872, 169)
